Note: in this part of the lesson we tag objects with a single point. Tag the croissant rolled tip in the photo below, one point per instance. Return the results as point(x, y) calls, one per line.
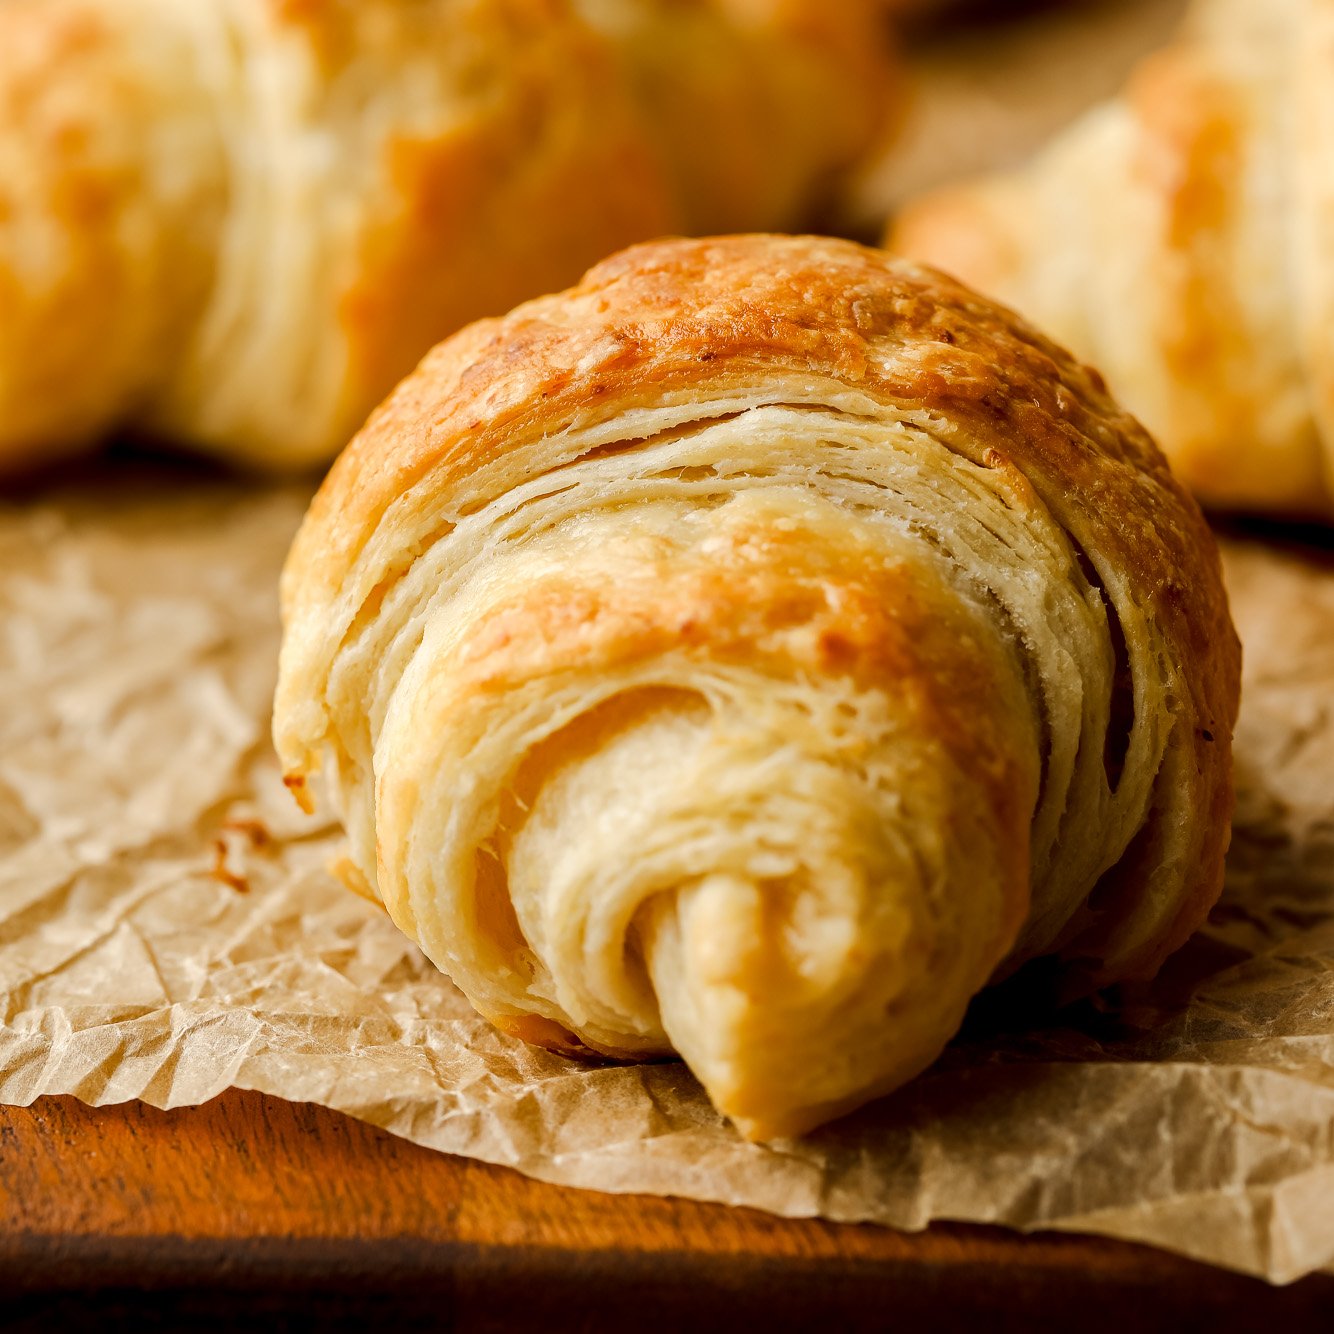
point(762, 1114)
point(755, 1119)
point(778, 1128)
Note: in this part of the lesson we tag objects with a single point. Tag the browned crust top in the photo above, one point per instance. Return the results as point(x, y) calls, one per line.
point(670, 316)
point(681, 317)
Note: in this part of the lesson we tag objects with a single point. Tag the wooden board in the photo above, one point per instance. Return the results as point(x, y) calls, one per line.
point(250, 1207)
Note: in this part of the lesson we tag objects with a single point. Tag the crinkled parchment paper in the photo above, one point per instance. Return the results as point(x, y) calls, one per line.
point(168, 929)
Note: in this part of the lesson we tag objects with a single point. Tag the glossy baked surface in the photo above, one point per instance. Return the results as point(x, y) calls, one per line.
point(752, 650)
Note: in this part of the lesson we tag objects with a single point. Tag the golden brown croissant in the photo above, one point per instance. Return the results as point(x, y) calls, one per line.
point(236, 223)
point(1182, 239)
point(748, 653)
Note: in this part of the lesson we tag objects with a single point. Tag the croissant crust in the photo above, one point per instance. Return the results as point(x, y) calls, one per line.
point(750, 652)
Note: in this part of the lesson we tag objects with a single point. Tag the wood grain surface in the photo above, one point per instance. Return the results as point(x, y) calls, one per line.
point(297, 1217)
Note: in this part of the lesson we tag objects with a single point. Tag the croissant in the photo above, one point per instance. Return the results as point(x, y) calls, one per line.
point(1181, 237)
point(749, 653)
point(235, 224)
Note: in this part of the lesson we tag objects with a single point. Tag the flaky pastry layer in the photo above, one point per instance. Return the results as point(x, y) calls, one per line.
point(750, 652)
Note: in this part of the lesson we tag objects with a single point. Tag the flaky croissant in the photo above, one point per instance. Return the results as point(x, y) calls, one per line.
point(750, 652)
point(1181, 237)
point(236, 223)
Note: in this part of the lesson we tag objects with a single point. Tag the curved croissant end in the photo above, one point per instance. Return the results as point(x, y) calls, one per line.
point(1181, 238)
point(234, 224)
point(748, 653)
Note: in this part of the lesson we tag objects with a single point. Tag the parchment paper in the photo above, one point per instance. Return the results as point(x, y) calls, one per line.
point(168, 929)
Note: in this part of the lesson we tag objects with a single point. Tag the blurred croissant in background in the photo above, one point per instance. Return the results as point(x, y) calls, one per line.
point(1181, 238)
point(234, 224)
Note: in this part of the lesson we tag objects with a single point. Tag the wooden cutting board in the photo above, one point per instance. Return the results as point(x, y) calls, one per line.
point(297, 1217)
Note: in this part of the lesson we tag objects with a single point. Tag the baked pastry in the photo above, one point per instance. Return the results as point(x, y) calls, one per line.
point(752, 651)
point(1181, 238)
point(234, 224)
